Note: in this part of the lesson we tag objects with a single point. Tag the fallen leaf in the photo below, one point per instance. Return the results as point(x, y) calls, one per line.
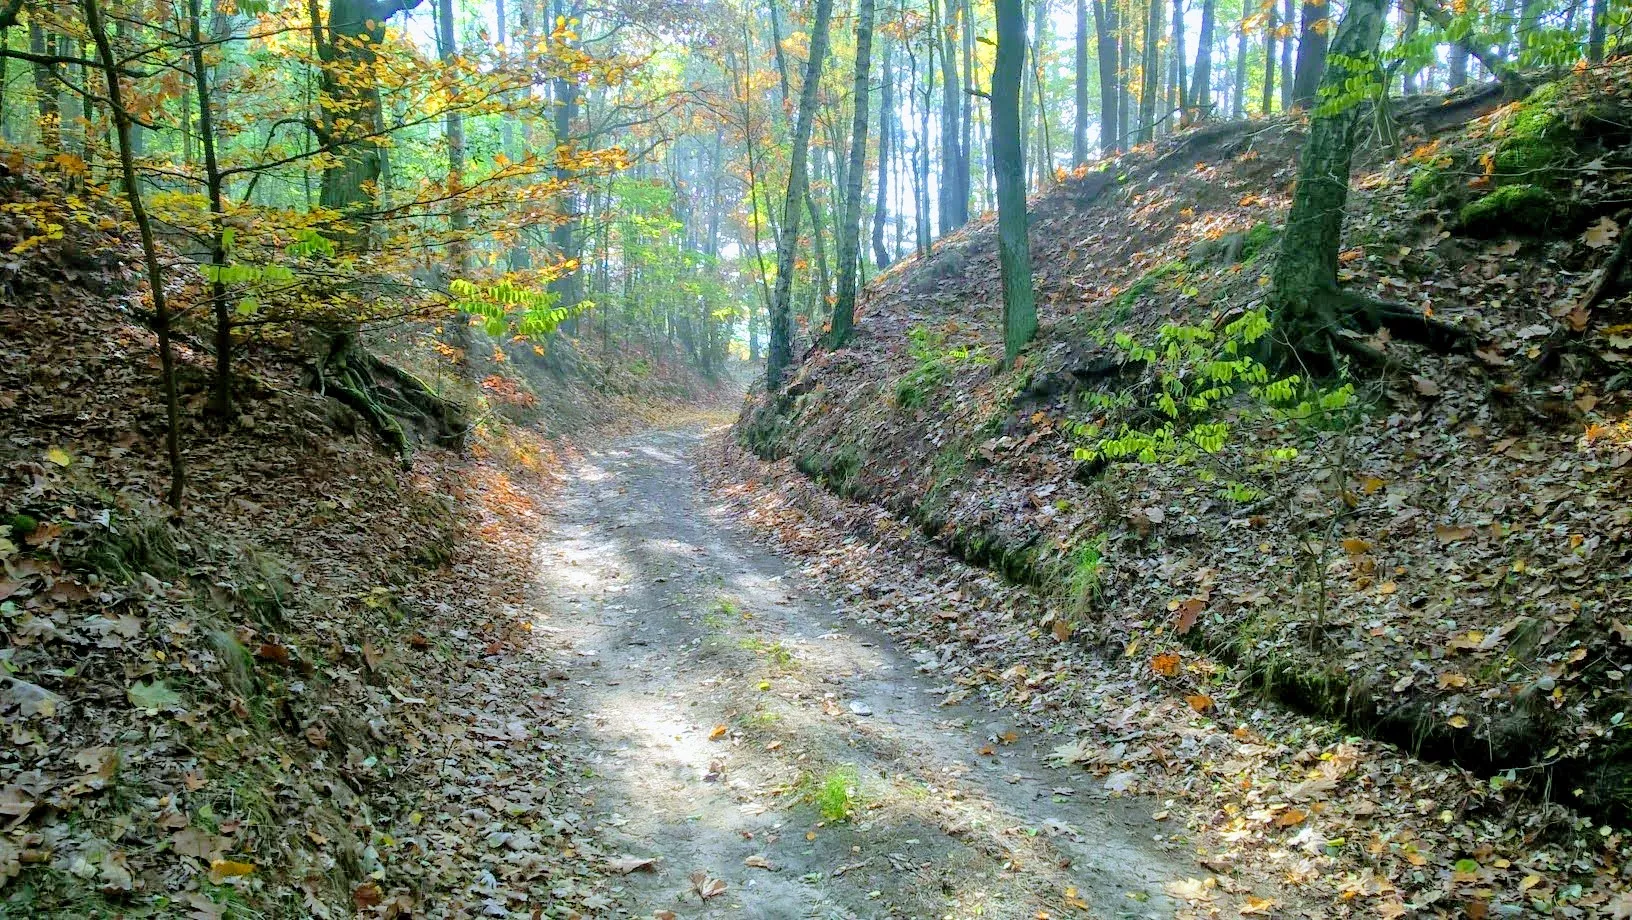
point(223, 869)
point(1200, 702)
point(718, 732)
point(1291, 817)
point(1599, 235)
point(757, 862)
point(623, 865)
point(705, 886)
point(1165, 664)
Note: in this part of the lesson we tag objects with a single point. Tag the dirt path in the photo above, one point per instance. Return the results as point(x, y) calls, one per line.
point(723, 708)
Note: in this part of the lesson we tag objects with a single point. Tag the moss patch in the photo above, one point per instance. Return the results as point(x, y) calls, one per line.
point(1511, 209)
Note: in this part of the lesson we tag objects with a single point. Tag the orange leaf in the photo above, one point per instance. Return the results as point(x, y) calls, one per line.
point(1165, 664)
point(718, 732)
point(1200, 702)
point(1291, 817)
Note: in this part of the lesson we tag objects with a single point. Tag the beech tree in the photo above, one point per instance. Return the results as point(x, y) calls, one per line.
point(779, 356)
point(844, 310)
point(1008, 146)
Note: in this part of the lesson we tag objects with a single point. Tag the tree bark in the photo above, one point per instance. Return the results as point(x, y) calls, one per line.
point(1311, 54)
point(1289, 22)
point(844, 309)
point(1014, 248)
point(1304, 291)
point(1079, 132)
point(955, 198)
point(454, 125)
point(1271, 25)
point(886, 138)
point(780, 356)
point(1151, 83)
point(1597, 32)
point(1238, 104)
point(1111, 119)
point(1201, 80)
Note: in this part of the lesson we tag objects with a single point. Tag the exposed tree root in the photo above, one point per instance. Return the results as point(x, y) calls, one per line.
point(401, 409)
point(1351, 319)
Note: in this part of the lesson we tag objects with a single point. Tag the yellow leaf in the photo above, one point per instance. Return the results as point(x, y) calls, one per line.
point(1257, 907)
point(223, 869)
point(718, 732)
point(1458, 721)
point(1355, 546)
point(59, 456)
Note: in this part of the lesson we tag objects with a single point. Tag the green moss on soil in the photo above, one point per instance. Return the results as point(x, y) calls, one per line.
point(1511, 209)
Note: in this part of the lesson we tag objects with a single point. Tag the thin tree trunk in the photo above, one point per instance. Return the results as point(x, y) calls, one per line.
point(1304, 279)
point(1079, 132)
point(45, 89)
point(454, 122)
point(1110, 114)
point(1179, 92)
point(1597, 32)
point(1311, 53)
point(1151, 82)
point(150, 255)
point(955, 199)
point(781, 351)
point(881, 204)
point(1238, 104)
point(844, 310)
point(1410, 15)
point(1271, 26)
point(1289, 22)
point(1014, 248)
point(221, 396)
point(1201, 80)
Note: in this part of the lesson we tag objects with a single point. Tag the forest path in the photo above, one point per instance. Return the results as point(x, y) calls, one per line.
point(718, 702)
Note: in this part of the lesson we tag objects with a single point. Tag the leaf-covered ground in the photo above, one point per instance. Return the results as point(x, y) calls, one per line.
point(1445, 569)
point(315, 695)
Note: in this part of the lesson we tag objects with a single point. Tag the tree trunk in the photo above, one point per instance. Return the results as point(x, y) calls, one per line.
point(1238, 105)
point(150, 255)
point(780, 357)
point(1311, 54)
point(1410, 14)
point(1201, 80)
point(221, 393)
point(886, 137)
point(1014, 248)
point(454, 125)
point(1289, 22)
point(1079, 132)
point(1303, 283)
point(844, 310)
point(1151, 83)
point(1597, 32)
point(1110, 114)
point(45, 89)
point(955, 199)
point(1271, 25)
point(1178, 91)
point(1458, 66)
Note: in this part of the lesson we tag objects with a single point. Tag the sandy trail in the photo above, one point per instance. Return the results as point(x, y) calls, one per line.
point(721, 704)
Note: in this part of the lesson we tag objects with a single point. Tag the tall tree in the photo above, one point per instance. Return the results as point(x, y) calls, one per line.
point(1598, 31)
point(1008, 146)
point(779, 357)
point(1201, 82)
point(1112, 114)
point(150, 256)
point(844, 309)
point(1308, 304)
point(1312, 40)
point(1272, 25)
point(1289, 23)
point(1079, 133)
point(886, 138)
point(954, 172)
point(454, 124)
point(352, 120)
point(1151, 84)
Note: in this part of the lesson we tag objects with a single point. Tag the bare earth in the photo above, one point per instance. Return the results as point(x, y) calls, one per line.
point(718, 701)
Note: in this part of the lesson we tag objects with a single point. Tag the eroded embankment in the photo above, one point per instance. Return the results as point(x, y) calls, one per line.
point(1432, 548)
